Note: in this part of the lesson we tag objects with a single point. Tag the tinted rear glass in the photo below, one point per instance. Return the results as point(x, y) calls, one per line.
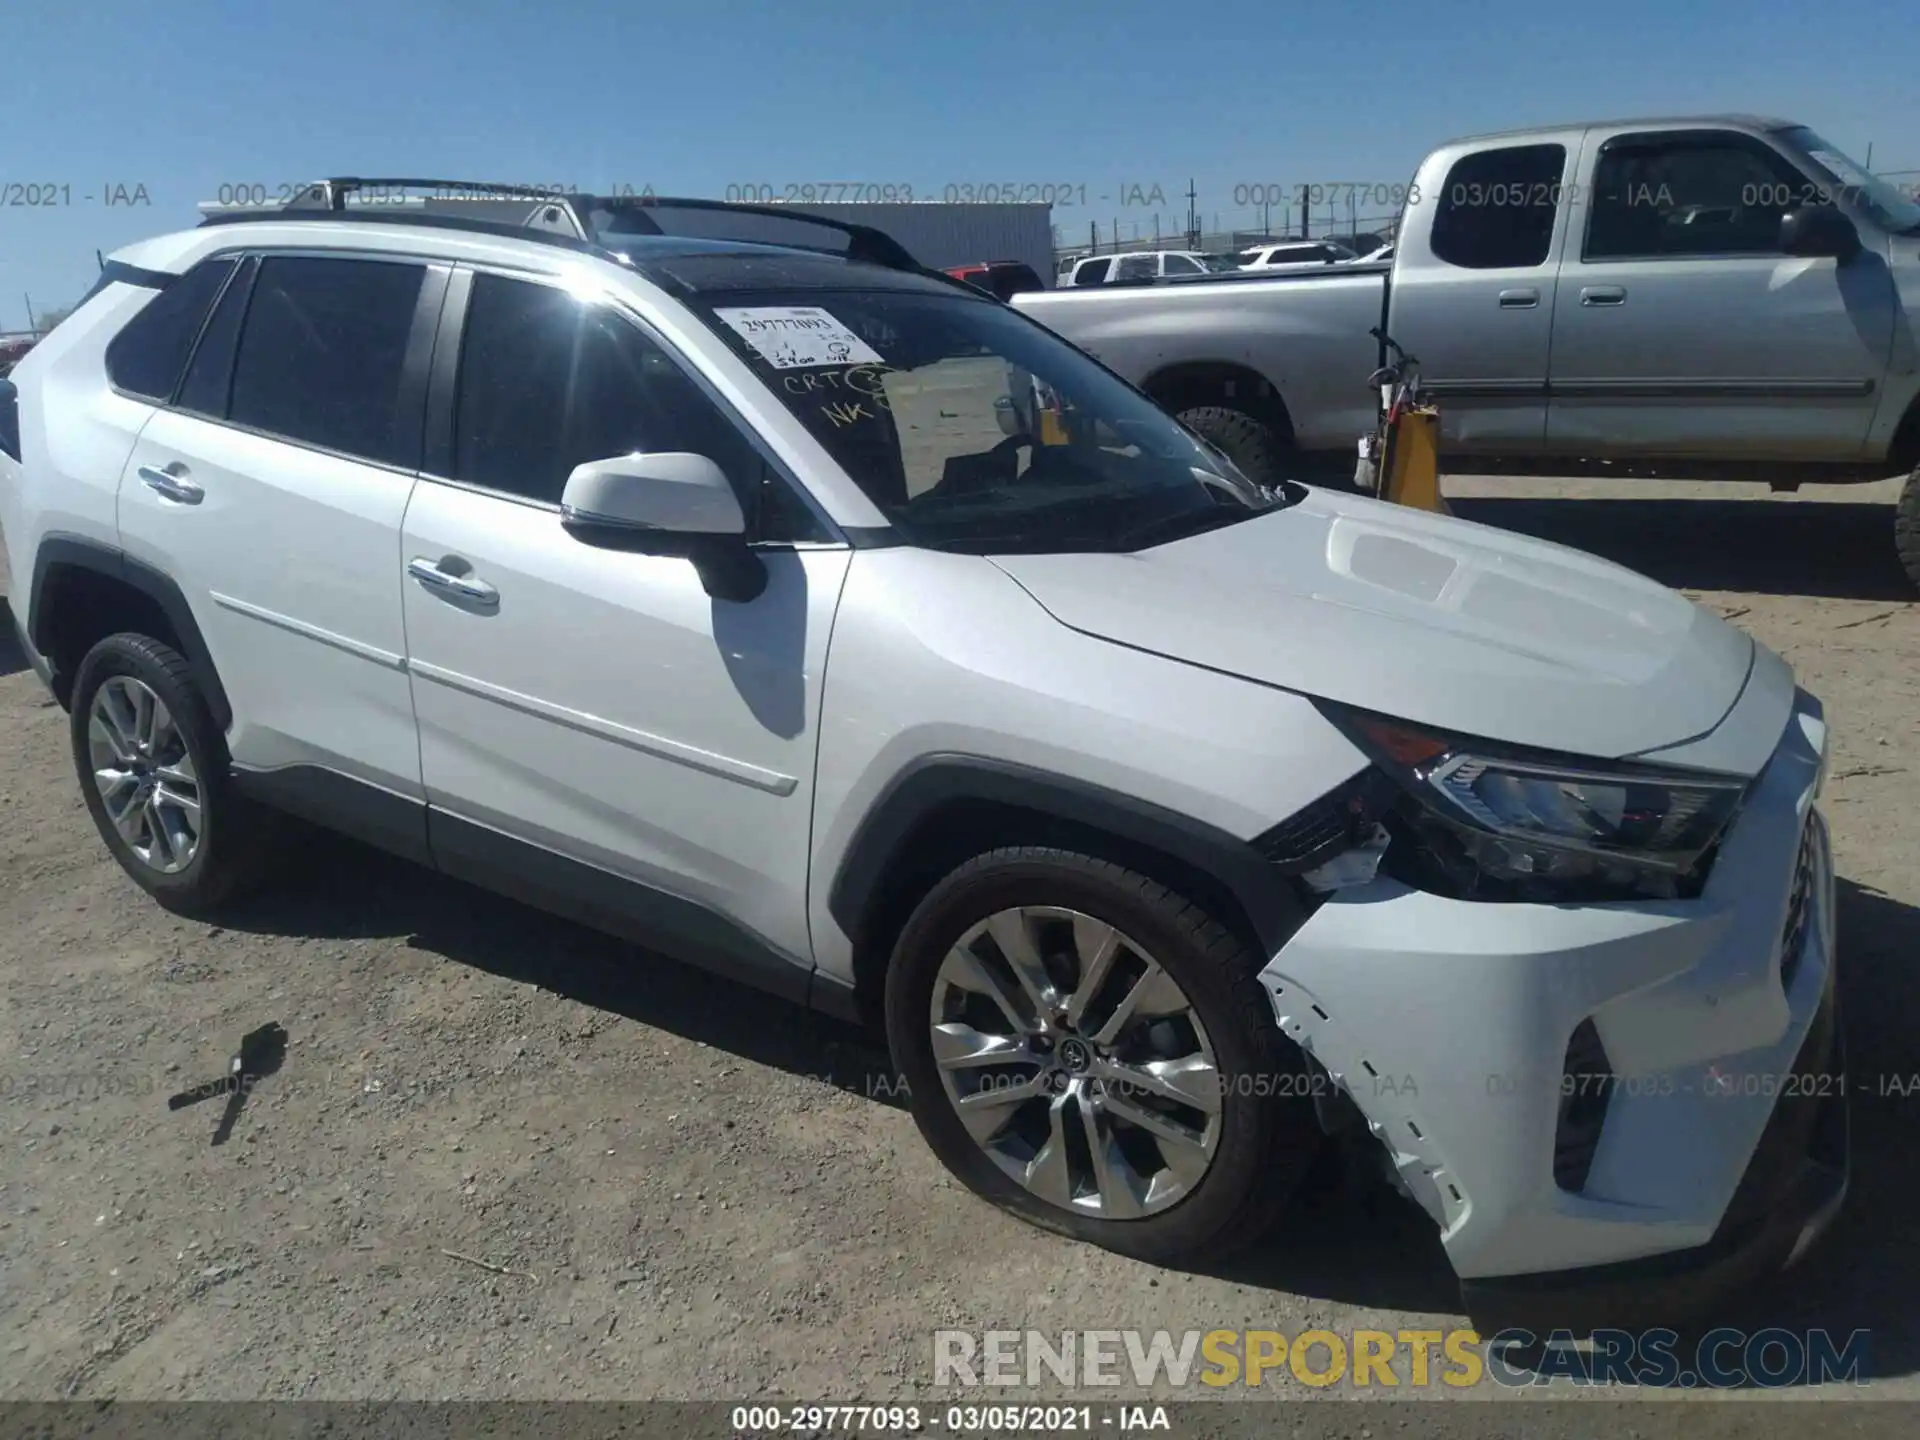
point(322, 352)
point(151, 350)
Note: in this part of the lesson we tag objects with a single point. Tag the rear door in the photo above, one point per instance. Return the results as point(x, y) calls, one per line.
point(1680, 327)
point(271, 488)
point(1473, 290)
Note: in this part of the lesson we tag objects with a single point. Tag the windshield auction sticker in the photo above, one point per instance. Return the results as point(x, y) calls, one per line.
point(792, 337)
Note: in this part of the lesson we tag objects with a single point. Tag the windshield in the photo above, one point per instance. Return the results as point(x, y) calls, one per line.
point(1882, 200)
point(973, 428)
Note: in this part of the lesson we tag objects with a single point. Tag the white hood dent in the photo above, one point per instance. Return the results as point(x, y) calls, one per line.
point(1428, 618)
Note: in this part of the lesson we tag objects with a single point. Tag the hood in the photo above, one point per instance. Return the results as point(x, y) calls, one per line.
point(1425, 617)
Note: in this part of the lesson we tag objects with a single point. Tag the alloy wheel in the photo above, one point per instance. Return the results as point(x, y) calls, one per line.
point(143, 774)
point(1076, 1062)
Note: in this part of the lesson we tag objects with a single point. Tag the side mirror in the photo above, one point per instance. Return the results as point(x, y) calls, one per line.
point(1819, 230)
point(666, 503)
point(670, 491)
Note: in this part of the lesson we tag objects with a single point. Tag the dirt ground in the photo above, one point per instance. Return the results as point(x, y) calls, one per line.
point(689, 1190)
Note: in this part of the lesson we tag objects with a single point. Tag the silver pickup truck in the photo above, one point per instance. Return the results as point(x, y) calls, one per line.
point(1707, 297)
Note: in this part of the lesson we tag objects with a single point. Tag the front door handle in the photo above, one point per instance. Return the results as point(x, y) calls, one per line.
point(1519, 299)
point(468, 587)
point(171, 482)
point(1603, 295)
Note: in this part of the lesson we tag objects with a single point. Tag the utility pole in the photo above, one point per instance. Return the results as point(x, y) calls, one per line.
point(1306, 216)
point(1193, 217)
point(1093, 237)
point(32, 324)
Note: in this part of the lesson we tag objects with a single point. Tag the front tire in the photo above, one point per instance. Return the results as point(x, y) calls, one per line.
point(1094, 1053)
point(153, 768)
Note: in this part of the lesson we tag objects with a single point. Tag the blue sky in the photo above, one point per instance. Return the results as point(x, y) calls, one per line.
point(689, 97)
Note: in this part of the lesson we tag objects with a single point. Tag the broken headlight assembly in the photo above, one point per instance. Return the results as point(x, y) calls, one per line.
point(1478, 820)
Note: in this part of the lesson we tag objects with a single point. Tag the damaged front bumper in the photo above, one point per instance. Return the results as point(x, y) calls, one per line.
point(1610, 1110)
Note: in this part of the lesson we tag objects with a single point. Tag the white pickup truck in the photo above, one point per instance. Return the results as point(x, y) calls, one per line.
point(1705, 297)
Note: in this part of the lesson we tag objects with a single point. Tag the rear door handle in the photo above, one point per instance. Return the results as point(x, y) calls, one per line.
point(1519, 299)
point(468, 587)
point(1603, 295)
point(172, 483)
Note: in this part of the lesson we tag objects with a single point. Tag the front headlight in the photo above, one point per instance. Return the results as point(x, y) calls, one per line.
point(1483, 820)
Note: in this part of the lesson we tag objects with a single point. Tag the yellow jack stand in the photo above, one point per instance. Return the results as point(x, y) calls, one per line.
point(1410, 473)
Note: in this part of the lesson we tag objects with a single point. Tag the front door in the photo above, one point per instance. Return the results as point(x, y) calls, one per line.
point(595, 729)
point(1681, 329)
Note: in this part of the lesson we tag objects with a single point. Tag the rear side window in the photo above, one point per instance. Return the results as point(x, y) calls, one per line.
point(1138, 267)
point(151, 350)
point(1497, 208)
point(1093, 272)
point(321, 355)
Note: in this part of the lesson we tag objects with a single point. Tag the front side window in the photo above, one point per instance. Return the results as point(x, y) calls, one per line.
point(1707, 194)
point(549, 382)
point(973, 428)
point(148, 355)
point(1497, 207)
point(322, 352)
point(1181, 265)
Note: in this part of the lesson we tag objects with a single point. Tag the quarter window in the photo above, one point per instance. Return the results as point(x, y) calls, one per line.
point(151, 350)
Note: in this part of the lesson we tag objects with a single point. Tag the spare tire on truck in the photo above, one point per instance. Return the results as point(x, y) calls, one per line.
point(1259, 450)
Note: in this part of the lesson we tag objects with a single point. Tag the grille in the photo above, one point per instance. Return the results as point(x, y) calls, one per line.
point(1586, 1085)
point(1799, 908)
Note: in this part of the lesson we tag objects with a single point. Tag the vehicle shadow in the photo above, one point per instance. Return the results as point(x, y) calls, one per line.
point(12, 658)
point(344, 890)
point(1836, 549)
point(1348, 1238)
point(1864, 1274)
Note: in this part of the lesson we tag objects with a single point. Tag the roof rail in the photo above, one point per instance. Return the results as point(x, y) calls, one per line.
point(330, 196)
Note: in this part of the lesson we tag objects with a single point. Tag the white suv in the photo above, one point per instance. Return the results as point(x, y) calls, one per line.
point(694, 589)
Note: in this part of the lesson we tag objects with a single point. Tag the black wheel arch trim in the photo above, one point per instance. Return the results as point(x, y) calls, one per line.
point(73, 551)
point(1263, 891)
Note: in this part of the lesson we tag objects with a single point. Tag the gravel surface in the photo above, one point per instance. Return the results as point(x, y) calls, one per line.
point(508, 1157)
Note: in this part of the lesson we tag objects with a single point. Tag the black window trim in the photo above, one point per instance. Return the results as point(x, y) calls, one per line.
point(443, 389)
point(437, 269)
point(246, 265)
point(1743, 139)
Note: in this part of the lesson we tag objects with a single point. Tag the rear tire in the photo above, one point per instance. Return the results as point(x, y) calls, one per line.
point(1906, 527)
point(154, 770)
point(1205, 1186)
point(1262, 452)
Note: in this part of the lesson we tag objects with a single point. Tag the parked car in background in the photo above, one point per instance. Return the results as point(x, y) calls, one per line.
point(1377, 257)
point(1003, 279)
point(1293, 253)
point(1695, 297)
point(1132, 266)
point(13, 349)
